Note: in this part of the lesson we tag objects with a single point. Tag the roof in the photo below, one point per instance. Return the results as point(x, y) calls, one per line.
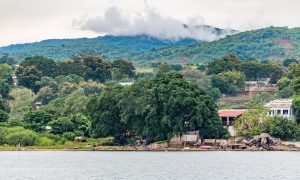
point(231, 112)
point(126, 83)
point(280, 103)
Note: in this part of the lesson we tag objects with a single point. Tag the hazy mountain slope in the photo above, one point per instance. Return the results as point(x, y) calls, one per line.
point(269, 43)
point(112, 47)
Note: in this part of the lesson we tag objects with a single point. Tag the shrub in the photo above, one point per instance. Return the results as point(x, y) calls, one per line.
point(53, 137)
point(282, 128)
point(37, 120)
point(44, 141)
point(69, 136)
point(3, 132)
point(3, 116)
point(19, 135)
point(15, 122)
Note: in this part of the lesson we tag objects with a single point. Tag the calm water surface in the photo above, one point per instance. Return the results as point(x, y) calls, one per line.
point(58, 165)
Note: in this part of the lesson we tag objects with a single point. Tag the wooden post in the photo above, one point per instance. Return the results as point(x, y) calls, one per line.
point(227, 121)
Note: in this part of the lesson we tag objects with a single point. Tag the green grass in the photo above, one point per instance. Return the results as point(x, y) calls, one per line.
point(68, 145)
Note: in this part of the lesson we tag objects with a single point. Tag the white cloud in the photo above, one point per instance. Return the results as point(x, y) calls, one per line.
point(150, 22)
point(32, 20)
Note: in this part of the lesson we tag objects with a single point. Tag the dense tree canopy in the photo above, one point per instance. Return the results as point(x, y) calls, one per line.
point(4, 89)
point(123, 69)
point(20, 102)
point(28, 77)
point(287, 62)
point(253, 70)
point(46, 66)
point(7, 60)
point(155, 109)
point(82, 96)
point(227, 63)
point(228, 82)
point(37, 120)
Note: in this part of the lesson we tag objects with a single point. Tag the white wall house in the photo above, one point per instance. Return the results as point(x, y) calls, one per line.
point(283, 108)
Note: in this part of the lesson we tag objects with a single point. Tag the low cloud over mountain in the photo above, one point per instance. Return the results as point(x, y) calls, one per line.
point(150, 22)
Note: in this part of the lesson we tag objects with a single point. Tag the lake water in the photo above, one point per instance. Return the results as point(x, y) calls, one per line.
point(56, 165)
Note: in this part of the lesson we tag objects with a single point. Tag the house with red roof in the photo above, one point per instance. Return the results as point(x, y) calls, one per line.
point(228, 117)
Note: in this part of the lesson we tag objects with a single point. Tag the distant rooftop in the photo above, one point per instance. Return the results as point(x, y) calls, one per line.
point(231, 112)
point(280, 103)
point(126, 83)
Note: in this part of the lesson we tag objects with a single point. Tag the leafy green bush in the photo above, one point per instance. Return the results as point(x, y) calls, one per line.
point(282, 128)
point(256, 121)
point(37, 120)
point(19, 135)
point(3, 116)
point(15, 122)
point(44, 141)
point(69, 136)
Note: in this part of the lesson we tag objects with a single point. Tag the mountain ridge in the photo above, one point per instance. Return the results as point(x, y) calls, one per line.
point(111, 46)
point(272, 43)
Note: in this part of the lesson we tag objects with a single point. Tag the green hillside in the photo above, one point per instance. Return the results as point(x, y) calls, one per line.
point(113, 47)
point(275, 43)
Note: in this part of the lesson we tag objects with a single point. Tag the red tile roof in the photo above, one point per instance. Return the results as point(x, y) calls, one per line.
point(231, 112)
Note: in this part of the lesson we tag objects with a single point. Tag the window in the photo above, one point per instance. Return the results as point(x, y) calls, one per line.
point(270, 113)
point(285, 112)
point(278, 111)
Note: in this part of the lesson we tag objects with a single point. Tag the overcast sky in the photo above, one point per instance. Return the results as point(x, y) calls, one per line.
point(34, 20)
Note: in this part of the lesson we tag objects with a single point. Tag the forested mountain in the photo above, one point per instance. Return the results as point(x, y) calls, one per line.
point(274, 43)
point(113, 47)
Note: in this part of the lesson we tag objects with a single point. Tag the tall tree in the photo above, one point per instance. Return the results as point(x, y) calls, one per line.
point(4, 89)
point(105, 114)
point(94, 67)
point(46, 66)
point(227, 63)
point(37, 120)
point(20, 102)
point(155, 109)
point(287, 62)
point(6, 59)
point(124, 68)
point(28, 77)
point(6, 73)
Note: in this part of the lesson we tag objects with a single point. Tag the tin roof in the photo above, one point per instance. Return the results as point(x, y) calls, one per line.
point(231, 112)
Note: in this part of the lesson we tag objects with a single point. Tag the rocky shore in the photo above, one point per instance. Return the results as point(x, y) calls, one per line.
point(263, 142)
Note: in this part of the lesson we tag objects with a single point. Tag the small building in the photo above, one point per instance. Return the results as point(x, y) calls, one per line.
point(189, 138)
point(228, 117)
point(283, 108)
point(126, 83)
point(253, 88)
point(15, 80)
point(37, 105)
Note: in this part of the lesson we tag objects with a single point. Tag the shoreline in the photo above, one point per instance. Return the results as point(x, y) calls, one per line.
point(133, 149)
